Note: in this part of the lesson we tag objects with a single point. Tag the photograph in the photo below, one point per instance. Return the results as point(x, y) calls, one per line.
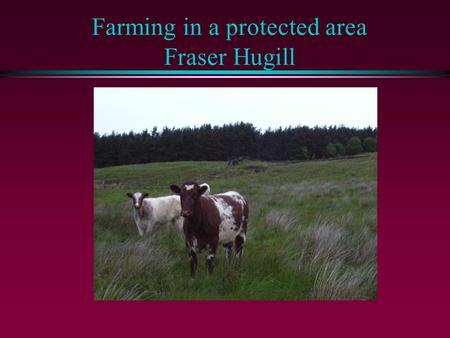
point(235, 193)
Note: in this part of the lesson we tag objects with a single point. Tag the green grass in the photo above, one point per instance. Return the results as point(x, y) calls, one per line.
point(312, 232)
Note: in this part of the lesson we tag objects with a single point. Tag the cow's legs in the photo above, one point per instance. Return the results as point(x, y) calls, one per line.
point(228, 250)
point(211, 256)
point(239, 242)
point(193, 261)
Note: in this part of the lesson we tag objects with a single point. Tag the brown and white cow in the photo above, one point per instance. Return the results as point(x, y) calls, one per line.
point(210, 220)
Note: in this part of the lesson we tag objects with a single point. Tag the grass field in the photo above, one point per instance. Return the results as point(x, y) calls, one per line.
point(312, 232)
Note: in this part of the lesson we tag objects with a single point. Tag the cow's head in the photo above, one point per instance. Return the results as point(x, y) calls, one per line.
point(189, 194)
point(138, 199)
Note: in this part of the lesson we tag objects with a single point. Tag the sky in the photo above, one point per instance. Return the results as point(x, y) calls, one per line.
point(138, 108)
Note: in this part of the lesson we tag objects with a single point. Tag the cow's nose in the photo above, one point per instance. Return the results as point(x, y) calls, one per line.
point(136, 206)
point(185, 213)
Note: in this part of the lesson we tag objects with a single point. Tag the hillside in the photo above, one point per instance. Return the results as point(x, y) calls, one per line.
point(312, 232)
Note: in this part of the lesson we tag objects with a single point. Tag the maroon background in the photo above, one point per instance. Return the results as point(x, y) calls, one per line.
point(46, 250)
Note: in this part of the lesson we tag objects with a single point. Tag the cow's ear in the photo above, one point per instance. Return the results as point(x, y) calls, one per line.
point(175, 188)
point(144, 195)
point(129, 194)
point(202, 189)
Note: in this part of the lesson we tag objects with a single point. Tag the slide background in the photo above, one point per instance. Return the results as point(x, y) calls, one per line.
point(46, 250)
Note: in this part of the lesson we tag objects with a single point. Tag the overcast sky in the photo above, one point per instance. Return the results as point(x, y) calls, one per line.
point(136, 109)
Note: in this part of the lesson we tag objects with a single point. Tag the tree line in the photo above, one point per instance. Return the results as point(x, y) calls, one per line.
point(222, 143)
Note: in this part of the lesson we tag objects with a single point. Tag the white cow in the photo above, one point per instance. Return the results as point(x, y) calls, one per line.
point(150, 213)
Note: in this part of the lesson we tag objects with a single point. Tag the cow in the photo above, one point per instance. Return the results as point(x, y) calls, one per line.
point(210, 220)
point(149, 213)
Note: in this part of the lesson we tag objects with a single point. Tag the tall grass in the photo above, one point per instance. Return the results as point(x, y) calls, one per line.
point(280, 220)
point(120, 268)
point(117, 290)
point(341, 259)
